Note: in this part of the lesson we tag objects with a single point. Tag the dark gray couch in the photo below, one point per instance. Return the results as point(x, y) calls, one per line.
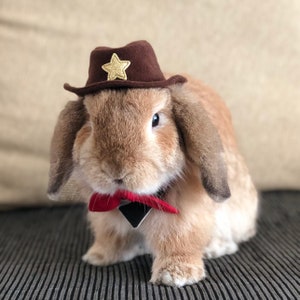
point(41, 249)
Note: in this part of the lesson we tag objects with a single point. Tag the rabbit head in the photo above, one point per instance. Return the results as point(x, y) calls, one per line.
point(138, 140)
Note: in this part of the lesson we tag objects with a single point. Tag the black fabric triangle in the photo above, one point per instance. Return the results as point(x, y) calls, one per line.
point(135, 212)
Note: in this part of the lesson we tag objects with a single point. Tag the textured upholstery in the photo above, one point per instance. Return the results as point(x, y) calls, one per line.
point(41, 249)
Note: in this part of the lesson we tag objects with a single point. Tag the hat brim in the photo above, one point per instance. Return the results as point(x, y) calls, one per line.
point(95, 87)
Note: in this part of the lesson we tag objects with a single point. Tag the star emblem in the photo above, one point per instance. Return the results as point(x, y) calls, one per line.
point(116, 68)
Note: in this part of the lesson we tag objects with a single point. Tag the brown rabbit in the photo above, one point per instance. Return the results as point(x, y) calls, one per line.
point(176, 138)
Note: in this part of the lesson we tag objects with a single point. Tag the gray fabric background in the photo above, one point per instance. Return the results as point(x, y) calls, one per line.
point(41, 249)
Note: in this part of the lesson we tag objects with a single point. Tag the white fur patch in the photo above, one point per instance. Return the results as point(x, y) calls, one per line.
point(53, 196)
point(222, 242)
point(167, 279)
point(219, 248)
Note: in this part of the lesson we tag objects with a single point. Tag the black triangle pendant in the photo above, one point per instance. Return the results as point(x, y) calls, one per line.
point(135, 212)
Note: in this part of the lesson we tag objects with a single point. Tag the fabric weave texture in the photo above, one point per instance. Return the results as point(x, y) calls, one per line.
point(41, 249)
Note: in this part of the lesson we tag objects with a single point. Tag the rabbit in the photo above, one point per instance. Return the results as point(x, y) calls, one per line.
point(178, 138)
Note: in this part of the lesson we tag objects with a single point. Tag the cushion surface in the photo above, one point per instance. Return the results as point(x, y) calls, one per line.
point(41, 249)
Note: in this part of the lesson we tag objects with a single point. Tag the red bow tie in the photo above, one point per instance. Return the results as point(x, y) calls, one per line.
point(104, 202)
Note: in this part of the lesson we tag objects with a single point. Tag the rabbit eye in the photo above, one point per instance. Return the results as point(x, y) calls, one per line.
point(155, 120)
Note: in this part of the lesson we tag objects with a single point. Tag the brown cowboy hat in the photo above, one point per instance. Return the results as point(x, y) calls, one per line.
point(132, 66)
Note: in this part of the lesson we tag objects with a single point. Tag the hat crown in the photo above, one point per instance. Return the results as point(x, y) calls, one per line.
point(143, 66)
point(132, 66)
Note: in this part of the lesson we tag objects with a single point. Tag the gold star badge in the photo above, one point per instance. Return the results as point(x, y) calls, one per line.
point(116, 68)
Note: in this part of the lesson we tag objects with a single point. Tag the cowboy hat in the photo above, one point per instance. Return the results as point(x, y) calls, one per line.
point(132, 66)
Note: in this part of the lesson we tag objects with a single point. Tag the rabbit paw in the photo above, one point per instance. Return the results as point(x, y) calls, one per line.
point(220, 247)
point(94, 258)
point(178, 274)
point(97, 257)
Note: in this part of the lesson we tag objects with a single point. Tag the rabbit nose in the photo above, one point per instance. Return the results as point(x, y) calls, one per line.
point(115, 174)
point(118, 181)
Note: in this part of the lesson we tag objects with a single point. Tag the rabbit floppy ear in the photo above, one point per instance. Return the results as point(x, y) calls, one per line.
point(202, 143)
point(70, 120)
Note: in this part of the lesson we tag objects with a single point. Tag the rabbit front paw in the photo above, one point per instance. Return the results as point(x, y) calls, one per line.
point(98, 257)
point(178, 273)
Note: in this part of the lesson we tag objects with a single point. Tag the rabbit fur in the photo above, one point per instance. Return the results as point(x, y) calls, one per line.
point(192, 153)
